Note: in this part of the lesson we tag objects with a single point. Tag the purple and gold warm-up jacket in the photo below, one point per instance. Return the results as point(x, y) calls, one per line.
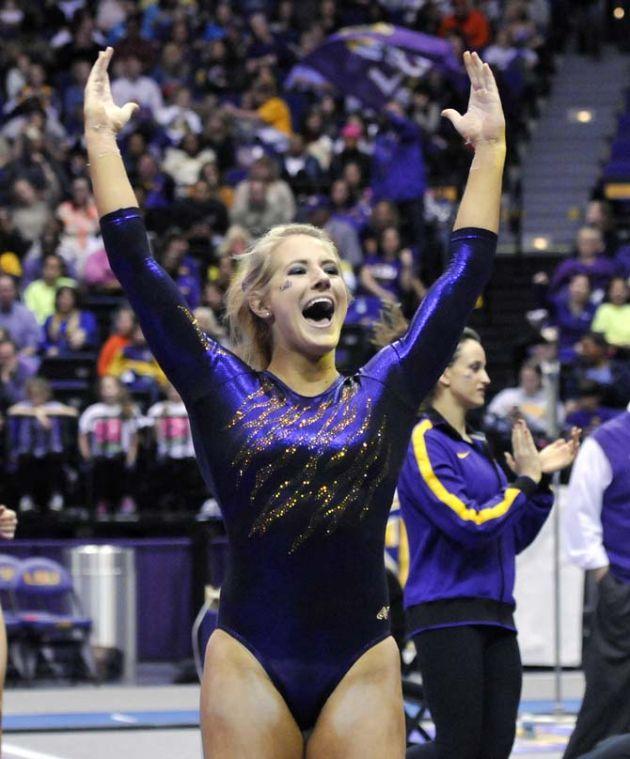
point(465, 525)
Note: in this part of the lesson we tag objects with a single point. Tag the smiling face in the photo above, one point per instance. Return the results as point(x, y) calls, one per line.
point(466, 379)
point(306, 300)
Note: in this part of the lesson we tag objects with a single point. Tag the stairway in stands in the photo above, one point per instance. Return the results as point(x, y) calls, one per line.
point(564, 156)
point(501, 322)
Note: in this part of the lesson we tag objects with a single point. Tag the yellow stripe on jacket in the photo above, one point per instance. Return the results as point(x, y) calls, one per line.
point(449, 499)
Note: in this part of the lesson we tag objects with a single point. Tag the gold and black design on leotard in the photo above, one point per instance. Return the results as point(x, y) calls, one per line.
point(331, 483)
point(208, 344)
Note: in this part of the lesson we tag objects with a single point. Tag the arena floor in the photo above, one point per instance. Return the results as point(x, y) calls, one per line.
point(159, 722)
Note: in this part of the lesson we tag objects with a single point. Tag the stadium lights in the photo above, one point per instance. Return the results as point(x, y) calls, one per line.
point(619, 13)
point(540, 243)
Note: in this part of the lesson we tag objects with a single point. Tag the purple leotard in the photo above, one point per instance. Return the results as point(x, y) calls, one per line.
point(305, 484)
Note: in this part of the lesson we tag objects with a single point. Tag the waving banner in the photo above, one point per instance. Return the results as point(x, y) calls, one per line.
point(371, 62)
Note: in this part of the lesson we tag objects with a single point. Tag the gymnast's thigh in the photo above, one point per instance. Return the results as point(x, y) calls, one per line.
point(243, 716)
point(363, 717)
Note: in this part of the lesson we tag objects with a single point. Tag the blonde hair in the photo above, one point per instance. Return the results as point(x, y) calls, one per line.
point(250, 336)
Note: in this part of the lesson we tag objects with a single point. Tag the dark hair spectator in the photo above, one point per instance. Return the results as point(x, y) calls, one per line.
point(70, 329)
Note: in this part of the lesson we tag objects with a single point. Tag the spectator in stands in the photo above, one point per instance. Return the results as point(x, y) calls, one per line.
point(528, 401)
point(39, 296)
point(469, 22)
point(268, 111)
point(612, 318)
point(236, 242)
point(134, 85)
point(597, 364)
point(389, 276)
point(182, 267)
point(318, 143)
point(137, 369)
point(123, 325)
point(343, 234)
point(503, 54)
point(15, 371)
point(177, 118)
point(30, 213)
point(70, 329)
point(398, 173)
point(39, 446)
point(590, 259)
point(210, 325)
point(98, 276)
point(108, 443)
point(177, 481)
point(17, 319)
point(72, 103)
point(80, 226)
point(159, 187)
point(185, 161)
point(256, 211)
point(277, 192)
point(11, 240)
point(347, 206)
point(352, 151)
point(598, 214)
point(572, 312)
point(588, 410)
point(300, 170)
point(200, 207)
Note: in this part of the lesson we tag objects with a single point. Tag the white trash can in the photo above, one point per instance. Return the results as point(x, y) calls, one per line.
point(105, 581)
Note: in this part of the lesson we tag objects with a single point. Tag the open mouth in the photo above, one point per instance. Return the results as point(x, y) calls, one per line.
point(319, 312)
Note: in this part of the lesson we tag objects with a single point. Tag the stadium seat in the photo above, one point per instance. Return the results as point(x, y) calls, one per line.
point(54, 626)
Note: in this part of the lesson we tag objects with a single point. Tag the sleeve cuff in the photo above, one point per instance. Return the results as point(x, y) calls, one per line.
point(121, 214)
point(526, 485)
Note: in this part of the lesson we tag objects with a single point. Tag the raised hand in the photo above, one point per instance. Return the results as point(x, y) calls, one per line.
point(484, 120)
point(100, 112)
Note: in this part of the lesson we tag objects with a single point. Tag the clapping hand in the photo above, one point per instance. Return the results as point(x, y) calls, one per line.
point(101, 113)
point(560, 453)
point(524, 460)
point(8, 523)
point(484, 120)
point(555, 456)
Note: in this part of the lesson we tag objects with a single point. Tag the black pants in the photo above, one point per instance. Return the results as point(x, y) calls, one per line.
point(40, 477)
point(110, 480)
point(178, 485)
point(605, 709)
point(472, 682)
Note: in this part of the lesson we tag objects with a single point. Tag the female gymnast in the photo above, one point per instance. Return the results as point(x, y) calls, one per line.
point(302, 460)
point(465, 525)
point(8, 524)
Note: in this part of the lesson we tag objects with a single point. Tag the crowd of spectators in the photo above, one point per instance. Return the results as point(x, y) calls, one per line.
point(226, 143)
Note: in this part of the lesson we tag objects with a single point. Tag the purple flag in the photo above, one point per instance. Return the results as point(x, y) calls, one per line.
point(371, 62)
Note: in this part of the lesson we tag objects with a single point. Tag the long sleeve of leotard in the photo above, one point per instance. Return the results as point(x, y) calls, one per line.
point(412, 365)
point(182, 350)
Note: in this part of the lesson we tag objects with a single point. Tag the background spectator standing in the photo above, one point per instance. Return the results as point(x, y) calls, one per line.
point(39, 445)
point(177, 483)
point(108, 443)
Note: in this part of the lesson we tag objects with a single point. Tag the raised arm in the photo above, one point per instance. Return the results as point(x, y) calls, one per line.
point(414, 363)
point(177, 342)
